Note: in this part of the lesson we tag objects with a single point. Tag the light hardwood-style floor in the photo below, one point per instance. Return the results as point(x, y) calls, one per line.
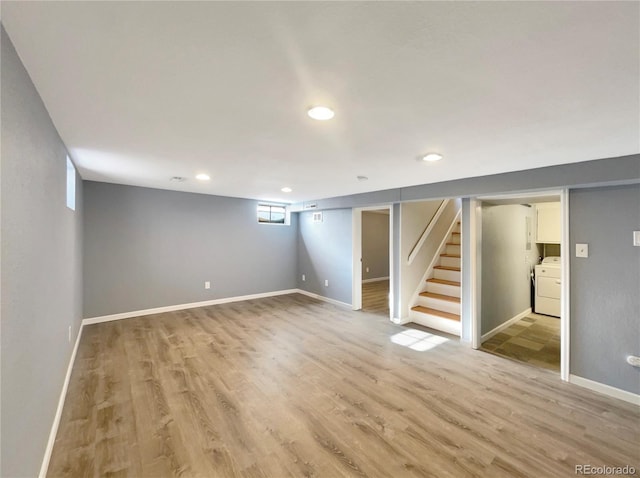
point(375, 297)
point(291, 386)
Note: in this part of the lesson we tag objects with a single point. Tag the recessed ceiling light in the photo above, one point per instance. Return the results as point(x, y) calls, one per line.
point(361, 178)
point(202, 177)
point(321, 113)
point(286, 190)
point(432, 157)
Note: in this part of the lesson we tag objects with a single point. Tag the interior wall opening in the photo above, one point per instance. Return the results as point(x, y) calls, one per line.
point(521, 279)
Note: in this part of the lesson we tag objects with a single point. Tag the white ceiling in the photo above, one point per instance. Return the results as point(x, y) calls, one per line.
point(143, 91)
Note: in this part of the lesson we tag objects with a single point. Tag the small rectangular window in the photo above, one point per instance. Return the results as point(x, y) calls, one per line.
point(271, 214)
point(71, 185)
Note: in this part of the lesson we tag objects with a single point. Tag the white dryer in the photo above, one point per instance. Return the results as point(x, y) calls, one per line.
point(548, 286)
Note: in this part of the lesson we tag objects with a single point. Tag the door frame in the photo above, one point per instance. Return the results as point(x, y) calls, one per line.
point(475, 238)
point(356, 288)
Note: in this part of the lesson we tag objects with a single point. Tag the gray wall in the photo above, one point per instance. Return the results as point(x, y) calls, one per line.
point(325, 252)
point(375, 245)
point(506, 264)
point(622, 170)
point(41, 269)
point(147, 248)
point(605, 303)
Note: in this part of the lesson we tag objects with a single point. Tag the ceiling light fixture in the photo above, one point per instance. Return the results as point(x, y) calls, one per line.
point(320, 113)
point(286, 190)
point(431, 157)
point(202, 177)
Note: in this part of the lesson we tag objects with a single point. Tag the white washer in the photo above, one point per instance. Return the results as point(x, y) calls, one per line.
point(548, 287)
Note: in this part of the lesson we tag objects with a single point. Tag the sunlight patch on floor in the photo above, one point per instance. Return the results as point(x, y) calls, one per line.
point(417, 340)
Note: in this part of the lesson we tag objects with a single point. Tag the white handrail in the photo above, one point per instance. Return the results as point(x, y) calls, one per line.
point(427, 231)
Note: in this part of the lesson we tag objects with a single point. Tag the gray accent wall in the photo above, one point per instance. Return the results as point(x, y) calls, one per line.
point(41, 255)
point(325, 252)
point(621, 170)
point(375, 245)
point(148, 248)
point(605, 298)
point(506, 264)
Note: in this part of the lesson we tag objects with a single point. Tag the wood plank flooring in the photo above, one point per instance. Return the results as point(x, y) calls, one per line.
point(375, 297)
point(291, 386)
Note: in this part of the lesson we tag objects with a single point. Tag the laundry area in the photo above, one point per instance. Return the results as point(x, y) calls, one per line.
point(522, 280)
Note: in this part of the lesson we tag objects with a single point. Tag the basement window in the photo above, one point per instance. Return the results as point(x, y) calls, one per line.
point(273, 214)
point(71, 185)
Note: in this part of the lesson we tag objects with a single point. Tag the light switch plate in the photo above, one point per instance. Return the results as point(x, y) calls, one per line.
point(636, 238)
point(582, 250)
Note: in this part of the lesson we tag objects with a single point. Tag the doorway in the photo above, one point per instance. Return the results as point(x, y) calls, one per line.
point(521, 292)
point(373, 264)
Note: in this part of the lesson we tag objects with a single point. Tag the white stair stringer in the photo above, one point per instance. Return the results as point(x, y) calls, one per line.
point(437, 305)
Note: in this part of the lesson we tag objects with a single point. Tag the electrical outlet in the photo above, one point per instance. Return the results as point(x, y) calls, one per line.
point(326, 282)
point(582, 250)
point(366, 270)
point(304, 278)
point(69, 334)
point(207, 285)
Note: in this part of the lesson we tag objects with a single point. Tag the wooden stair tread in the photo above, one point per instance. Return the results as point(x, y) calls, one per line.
point(447, 268)
point(455, 233)
point(453, 244)
point(448, 298)
point(445, 282)
point(457, 256)
point(439, 313)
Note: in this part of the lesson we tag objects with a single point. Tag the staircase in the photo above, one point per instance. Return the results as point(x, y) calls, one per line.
point(438, 305)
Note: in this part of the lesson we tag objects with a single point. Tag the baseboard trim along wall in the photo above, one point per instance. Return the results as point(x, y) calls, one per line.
point(605, 389)
point(323, 298)
point(192, 305)
point(206, 303)
point(503, 326)
point(56, 419)
point(375, 279)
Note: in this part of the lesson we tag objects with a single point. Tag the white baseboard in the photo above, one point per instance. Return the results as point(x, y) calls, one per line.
point(503, 326)
point(56, 420)
point(192, 305)
point(375, 279)
point(321, 297)
point(399, 321)
point(605, 389)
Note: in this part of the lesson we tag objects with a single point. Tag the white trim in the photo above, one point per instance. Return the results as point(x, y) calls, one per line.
point(375, 279)
point(323, 298)
point(565, 291)
point(506, 324)
point(192, 305)
point(475, 235)
point(56, 419)
point(605, 389)
point(416, 249)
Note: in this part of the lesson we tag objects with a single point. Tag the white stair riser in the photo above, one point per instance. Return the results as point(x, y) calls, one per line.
point(455, 238)
point(456, 228)
point(450, 261)
point(443, 289)
point(445, 325)
point(446, 275)
point(439, 304)
point(453, 249)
